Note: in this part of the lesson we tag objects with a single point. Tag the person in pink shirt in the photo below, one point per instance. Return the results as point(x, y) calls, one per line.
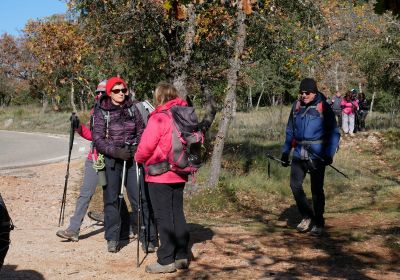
point(349, 107)
point(165, 189)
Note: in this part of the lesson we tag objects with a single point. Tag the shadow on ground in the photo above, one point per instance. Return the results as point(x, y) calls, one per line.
point(10, 272)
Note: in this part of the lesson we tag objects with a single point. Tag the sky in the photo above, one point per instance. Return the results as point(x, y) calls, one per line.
point(14, 14)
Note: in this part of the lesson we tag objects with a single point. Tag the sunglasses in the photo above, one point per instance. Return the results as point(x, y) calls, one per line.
point(305, 92)
point(116, 91)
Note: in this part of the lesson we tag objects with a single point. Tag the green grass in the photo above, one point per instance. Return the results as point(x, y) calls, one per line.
point(29, 118)
point(245, 192)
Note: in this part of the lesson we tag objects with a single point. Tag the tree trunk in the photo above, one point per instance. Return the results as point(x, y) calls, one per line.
point(210, 109)
point(259, 99)
point(45, 104)
point(81, 101)
point(72, 97)
point(337, 76)
point(250, 104)
point(229, 99)
point(180, 75)
point(372, 102)
point(360, 87)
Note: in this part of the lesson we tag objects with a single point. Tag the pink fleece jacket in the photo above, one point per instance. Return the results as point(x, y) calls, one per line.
point(155, 143)
point(349, 107)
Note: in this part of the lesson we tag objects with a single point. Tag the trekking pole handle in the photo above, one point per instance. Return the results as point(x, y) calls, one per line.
point(121, 194)
point(321, 159)
point(276, 159)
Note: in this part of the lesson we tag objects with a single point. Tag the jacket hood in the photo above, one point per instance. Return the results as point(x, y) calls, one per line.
point(169, 104)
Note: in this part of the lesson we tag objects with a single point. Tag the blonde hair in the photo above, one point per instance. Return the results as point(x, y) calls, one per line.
point(164, 92)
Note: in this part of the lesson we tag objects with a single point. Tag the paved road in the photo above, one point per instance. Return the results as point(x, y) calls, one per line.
point(21, 149)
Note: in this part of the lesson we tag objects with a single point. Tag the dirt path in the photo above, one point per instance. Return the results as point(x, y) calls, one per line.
point(220, 252)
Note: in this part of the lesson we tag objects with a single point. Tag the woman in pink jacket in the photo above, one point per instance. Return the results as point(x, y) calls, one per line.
point(349, 107)
point(166, 189)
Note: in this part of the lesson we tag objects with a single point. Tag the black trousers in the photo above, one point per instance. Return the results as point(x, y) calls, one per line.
point(116, 224)
point(338, 114)
point(167, 201)
point(298, 171)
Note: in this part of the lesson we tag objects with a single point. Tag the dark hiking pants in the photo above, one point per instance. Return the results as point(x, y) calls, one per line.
point(167, 201)
point(338, 114)
point(298, 172)
point(362, 115)
point(117, 225)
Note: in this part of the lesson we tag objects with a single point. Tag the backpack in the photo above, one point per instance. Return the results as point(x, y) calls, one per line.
point(187, 140)
point(336, 103)
point(6, 225)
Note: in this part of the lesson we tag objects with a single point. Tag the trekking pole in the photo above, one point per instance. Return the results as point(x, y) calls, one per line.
point(64, 197)
point(138, 211)
point(321, 159)
point(277, 159)
point(121, 195)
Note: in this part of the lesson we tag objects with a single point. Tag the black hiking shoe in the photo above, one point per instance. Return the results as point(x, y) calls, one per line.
point(96, 216)
point(69, 235)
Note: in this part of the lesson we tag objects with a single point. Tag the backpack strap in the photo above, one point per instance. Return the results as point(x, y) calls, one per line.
point(106, 116)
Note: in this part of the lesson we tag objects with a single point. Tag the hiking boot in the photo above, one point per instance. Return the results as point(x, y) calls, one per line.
point(112, 246)
point(96, 216)
point(304, 225)
point(316, 230)
point(150, 248)
point(182, 264)
point(159, 268)
point(132, 233)
point(67, 234)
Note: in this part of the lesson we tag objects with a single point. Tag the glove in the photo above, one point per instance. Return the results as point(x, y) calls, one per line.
point(285, 159)
point(74, 121)
point(133, 149)
point(328, 160)
point(123, 153)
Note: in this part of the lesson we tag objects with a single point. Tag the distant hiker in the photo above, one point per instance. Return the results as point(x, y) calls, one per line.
point(118, 127)
point(349, 107)
point(313, 135)
point(362, 111)
point(336, 107)
point(166, 188)
point(90, 178)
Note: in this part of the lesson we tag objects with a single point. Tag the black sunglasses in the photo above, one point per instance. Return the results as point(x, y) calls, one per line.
point(305, 92)
point(116, 91)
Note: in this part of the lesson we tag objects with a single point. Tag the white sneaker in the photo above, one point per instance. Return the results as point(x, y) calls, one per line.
point(304, 225)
